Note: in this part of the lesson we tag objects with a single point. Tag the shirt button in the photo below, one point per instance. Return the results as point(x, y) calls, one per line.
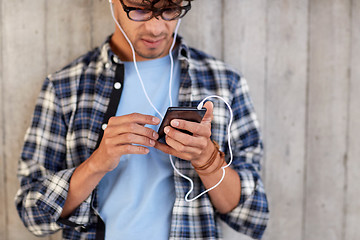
point(117, 85)
point(116, 60)
point(83, 229)
point(107, 65)
point(104, 126)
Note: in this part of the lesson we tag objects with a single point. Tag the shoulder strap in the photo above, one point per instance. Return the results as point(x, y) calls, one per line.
point(114, 98)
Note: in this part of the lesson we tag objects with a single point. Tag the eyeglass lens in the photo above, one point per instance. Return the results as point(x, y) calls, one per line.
point(166, 14)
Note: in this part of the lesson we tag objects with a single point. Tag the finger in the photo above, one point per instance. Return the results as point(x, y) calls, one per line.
point(181, 148)
point(114, 130)
point(131, 149)
point(186, 139)
point(130, 138)
point(169, 150)
point(164, 148)
point(134, 117)
point(193, 127)
point(209, 113)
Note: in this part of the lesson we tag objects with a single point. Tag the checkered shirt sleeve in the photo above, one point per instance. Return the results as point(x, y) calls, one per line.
point(208, 76)
point(65, 128)
point(252, 214)
point(44, 183)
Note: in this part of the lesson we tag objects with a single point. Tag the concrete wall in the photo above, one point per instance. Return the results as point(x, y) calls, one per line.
point(301, 59)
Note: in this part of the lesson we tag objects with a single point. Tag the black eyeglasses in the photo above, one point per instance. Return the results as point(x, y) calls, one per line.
point(167, 13)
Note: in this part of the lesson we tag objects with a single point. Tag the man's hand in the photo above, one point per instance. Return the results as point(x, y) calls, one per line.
point(196, 148)
point(119, 138)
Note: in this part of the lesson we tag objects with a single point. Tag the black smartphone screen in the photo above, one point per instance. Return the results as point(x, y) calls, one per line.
point(186, 113)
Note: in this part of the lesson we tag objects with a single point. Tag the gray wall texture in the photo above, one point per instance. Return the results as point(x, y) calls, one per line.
point(301, 59)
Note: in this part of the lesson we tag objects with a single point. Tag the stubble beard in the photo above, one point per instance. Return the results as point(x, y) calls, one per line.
point(152, 53)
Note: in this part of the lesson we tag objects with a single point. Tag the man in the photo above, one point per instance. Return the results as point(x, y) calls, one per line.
point(92, 164)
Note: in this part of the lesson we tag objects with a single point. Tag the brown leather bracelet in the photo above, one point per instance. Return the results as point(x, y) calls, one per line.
point(221, 162)
point(212, 159)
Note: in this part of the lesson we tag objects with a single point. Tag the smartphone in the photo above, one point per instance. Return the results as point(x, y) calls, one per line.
point(186, 113)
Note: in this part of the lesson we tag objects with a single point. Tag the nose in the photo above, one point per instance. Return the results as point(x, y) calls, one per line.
point(155, 26)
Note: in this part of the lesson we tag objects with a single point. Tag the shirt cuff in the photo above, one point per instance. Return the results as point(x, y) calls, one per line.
point(251, 215)
point(54, 193)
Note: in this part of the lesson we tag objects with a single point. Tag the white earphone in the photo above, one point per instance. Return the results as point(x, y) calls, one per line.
point(157, 111)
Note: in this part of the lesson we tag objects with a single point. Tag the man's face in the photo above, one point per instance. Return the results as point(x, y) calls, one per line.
point(151, 39)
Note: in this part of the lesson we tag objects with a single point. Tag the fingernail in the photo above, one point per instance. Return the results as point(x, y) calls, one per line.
point(166, 130)
point(152, 142)
point(156, 120)
point(155, 135)
point(175, 123)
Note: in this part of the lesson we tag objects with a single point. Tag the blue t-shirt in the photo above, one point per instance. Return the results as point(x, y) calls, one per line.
point(136, 199)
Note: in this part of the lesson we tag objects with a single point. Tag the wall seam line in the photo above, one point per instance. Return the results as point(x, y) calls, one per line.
point(223, 30)
point(266, 68)
point(3, 119)
point(91, 10)
point(306, 132)
point(3, 155)
point(45, 38)
point(348, 114)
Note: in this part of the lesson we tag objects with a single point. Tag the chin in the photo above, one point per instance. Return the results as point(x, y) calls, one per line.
point(149, 56)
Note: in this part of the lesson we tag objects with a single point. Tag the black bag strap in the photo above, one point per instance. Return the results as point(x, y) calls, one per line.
point(114, 98)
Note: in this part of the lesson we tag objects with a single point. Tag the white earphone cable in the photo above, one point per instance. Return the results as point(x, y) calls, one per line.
point(135, 64)
point(172, 61)
point(171, 103)
point(223, 168)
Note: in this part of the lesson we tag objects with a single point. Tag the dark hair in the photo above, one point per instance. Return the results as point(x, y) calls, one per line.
point(170, 2)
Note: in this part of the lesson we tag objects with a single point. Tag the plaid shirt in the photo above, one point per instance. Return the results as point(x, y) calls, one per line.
point(67, 124)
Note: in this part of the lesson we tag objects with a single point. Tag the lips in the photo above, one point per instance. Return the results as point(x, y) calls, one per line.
point(152, 43)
